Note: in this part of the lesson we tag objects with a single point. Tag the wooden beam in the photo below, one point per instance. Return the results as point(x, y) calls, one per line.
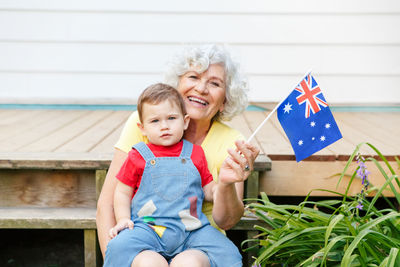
point(57, 161)
point(90, 243)
point(289, 178)
point(100, 178)
point(42, 188)
point(47, 218)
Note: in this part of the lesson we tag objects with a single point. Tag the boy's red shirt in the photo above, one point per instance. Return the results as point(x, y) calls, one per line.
point(132, 169)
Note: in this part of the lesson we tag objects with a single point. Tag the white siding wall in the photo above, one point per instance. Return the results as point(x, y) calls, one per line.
point(102, 49)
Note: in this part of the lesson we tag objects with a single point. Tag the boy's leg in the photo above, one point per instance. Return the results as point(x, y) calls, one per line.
point(192, 258)
point(123, 248)
point(149, 258)
point(219, 249)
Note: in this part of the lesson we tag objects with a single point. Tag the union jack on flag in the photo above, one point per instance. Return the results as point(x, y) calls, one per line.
point(309, 91)
point(310, 127)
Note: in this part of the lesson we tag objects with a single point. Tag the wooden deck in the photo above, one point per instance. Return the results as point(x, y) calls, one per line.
point(86, 137)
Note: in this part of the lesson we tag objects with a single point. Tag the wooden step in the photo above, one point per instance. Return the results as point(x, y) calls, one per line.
point(47, 218)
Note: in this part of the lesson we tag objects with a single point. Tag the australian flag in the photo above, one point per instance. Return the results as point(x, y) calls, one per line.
point(307, 120)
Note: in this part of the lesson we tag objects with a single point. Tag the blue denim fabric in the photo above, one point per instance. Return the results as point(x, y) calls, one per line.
point(170, 195)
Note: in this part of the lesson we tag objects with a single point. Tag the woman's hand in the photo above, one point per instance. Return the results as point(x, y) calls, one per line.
point(239, 164)
point(121, 225)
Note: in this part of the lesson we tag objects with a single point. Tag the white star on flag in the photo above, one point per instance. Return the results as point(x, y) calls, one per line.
point(287, 108)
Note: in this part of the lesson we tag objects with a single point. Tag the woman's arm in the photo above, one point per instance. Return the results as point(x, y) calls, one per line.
point(105, 218)
point(228, 205)
point(228, 196)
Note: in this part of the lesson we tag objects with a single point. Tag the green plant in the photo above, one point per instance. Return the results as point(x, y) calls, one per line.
point(347, 231)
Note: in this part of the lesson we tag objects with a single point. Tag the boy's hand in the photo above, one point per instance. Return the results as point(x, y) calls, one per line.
point(121, 225)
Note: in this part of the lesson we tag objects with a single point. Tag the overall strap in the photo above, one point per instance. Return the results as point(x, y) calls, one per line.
point(186, 149)
point(144, 151)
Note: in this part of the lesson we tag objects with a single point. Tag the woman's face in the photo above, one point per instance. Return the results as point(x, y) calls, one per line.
point(203, 93)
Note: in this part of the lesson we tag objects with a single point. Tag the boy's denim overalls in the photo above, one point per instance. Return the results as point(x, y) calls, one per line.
point(167, 216)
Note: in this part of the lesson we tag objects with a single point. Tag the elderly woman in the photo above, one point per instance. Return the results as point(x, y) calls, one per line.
point(213, 91)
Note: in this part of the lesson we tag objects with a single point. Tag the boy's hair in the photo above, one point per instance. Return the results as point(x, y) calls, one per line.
point(157, 93)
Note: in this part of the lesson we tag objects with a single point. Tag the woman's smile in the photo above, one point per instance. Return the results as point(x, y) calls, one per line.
point(198, 100)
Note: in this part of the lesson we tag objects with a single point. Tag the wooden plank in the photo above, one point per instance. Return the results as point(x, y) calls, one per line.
point(288, 178)
point(390, 121)
point(41, 188)
point(19, 141)
point(27, 123)
point(47, 218)
point(96, 133)
point(384, 132)
point(56, 161)
point(356, 135)
point(67, 132)
point(79, 161)
point(17, 117)
point(344, 147)
point(107, 144)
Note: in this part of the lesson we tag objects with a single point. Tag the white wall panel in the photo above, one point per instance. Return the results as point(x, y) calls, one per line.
point(113, 49)
point(178, 28)
point(126, 88)
point(336, 89)
point(208, 6)
point(37, 86)
point(260, 60)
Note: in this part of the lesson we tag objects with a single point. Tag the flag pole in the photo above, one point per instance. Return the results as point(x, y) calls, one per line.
point(265, 120)
point(272, 112)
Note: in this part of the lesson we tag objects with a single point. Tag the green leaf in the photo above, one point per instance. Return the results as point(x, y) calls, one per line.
point(348, 257)
point(378, 194)
point(331, 225)
point(276, 246)
point(390, 260)
point(378, 220)
point(393, 256)
point(378, 165)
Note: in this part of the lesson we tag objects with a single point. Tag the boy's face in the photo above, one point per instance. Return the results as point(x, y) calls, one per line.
point(163, 123)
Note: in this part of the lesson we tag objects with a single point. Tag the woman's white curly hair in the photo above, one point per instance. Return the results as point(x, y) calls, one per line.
point(200, 58)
